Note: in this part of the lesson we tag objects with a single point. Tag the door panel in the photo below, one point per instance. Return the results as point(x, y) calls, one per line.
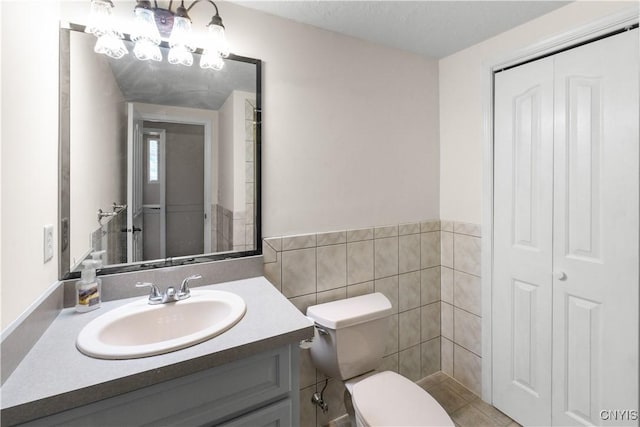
point(583, 163)
point(595, 326)
point(184, 189)
point(522, 242)
point(525, 319)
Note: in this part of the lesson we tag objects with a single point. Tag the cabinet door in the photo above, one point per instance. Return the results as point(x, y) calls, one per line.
point(595, 297)
point(279, 414)
point(521, 293)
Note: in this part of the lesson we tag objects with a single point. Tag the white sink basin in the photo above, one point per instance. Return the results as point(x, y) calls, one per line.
point(139, 329)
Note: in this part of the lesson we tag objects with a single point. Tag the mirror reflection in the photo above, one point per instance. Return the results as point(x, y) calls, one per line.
point(162, 158)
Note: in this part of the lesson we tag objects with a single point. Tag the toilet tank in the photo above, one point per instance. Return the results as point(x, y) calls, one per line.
point(351, 335)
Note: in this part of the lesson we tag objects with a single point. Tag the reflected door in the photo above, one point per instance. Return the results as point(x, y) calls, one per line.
point(565, 285)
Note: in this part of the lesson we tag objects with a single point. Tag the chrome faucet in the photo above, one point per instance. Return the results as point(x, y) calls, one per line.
point(184, 291)
point(171, 294)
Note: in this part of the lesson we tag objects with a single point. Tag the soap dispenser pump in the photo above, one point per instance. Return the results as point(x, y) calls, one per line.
point(88, 288)
point(97, 256)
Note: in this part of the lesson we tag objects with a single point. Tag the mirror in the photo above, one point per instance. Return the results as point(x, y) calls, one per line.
point(159, 163)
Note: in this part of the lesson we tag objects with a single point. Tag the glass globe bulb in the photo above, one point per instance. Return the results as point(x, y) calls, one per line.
point(181, 34)
point(111, 45)
point(211, 59)
point(100, 20)
point(145, 26)
point(181, 42)
point(216, 39)
point(180, 55)
point(146, 50)
point(102, 26)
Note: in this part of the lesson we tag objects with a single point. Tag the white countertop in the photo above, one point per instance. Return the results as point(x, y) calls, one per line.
point(55, 376)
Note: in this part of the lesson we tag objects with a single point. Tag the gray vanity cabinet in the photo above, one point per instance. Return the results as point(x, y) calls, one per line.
point(260, 390)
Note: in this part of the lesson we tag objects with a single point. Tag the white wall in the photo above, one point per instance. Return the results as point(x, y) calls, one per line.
point(29, 150)
point(461, 102)
point(233, 152)
point(350, 129)
point(239, 151)
point(98, 142)
point(225, 151)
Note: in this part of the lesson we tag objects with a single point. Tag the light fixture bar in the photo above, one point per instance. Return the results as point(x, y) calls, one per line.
point(151, 25)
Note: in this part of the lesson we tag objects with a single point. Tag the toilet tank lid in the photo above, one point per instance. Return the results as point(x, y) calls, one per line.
point(350, 311)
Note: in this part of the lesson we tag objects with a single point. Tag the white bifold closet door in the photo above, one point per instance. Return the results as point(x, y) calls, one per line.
point(566, 232)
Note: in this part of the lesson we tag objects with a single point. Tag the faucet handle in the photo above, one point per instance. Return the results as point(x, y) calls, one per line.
point(184, 288)
point(155, 292)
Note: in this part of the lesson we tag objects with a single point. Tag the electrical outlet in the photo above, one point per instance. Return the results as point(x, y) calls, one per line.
point(48, 242)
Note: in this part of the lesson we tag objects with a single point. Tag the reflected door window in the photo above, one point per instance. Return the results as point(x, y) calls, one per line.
point(152, 159)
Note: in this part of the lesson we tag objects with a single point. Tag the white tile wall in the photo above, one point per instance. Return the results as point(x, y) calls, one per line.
point(429, 270)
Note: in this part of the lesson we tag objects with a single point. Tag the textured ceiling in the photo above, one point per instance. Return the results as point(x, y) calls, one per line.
point(430, 28)
point(164, 84)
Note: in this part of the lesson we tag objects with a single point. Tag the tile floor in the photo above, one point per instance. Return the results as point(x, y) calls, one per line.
point(463, 406)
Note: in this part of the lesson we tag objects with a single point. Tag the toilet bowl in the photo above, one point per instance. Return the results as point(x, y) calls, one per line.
point(349, 345)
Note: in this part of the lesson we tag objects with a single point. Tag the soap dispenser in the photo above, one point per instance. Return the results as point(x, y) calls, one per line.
point(88, 288)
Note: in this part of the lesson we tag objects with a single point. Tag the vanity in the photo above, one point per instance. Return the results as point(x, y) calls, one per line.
point(246, 376)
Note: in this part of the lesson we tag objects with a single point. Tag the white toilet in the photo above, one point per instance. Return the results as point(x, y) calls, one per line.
point(349, 344)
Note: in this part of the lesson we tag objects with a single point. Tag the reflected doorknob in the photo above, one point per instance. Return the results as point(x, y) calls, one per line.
point(129, 230)
point(560, 275)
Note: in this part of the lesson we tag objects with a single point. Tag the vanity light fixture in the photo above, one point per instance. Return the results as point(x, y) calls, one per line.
point(152, 24)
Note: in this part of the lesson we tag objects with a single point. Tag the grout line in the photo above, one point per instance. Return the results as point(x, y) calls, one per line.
point(470, 351)
point(315, 276)
point(421, 306)
point(465, 234)
point(464, 272)
point(279, 255)
point(466, 311)
point(346, 266)
point(374, 260)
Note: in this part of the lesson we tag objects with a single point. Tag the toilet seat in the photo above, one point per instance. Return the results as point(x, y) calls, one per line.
point(389, 399)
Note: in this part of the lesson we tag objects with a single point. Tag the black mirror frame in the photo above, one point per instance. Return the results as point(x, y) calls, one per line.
point(64, 183)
